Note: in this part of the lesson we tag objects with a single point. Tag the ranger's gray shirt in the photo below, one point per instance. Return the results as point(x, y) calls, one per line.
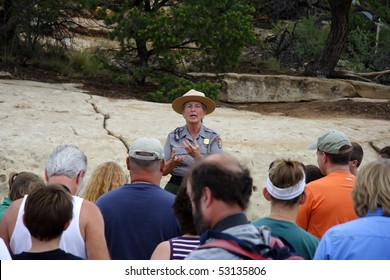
point(209, 142)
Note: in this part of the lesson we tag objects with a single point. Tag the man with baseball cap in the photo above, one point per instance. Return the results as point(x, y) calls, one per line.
point(138, 216)
point(329, 201)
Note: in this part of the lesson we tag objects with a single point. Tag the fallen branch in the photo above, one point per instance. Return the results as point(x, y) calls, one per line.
point(349, 75)
point(366, 77)
point(375, 75)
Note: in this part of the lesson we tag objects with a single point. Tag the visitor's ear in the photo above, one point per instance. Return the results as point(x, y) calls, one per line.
point(66, 225)
point(128, 163)
point(302, 199)
point(162, 166)
point(80, 176)
point(325, 158)
point(207, 196)
point(46, 175)
point(353, 162)
point(266, 194)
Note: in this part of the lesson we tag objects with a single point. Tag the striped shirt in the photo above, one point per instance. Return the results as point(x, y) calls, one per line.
point(183, 245)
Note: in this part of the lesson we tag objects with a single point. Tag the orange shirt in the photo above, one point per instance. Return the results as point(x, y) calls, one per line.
point(328, 203)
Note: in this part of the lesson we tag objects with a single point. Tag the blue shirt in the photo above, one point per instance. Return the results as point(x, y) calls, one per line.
point(366, 238)
point(137, 217)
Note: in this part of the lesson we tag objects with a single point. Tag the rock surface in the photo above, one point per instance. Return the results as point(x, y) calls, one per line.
point(35, 117)
point(244, 88)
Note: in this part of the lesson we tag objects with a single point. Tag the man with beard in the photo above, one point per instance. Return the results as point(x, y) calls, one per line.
point(219, 188)
point(84, 237)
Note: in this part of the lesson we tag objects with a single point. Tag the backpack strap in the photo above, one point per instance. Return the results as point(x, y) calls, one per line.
point(281, 249)
point(272, 249)
point(262, 248)
point(234, 248)
point(284, 242)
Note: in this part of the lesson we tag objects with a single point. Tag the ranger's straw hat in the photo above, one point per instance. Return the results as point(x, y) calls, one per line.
point(193, 95)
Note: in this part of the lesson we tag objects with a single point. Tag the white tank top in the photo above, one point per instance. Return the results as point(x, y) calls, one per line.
point(71, 240)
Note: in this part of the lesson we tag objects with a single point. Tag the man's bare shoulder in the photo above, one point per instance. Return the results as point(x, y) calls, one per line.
point(162, 251)
point(8, 222)
point(90, 210)
point(13, 209)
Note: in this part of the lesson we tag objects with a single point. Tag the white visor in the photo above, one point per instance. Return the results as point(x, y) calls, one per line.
point(286, 193)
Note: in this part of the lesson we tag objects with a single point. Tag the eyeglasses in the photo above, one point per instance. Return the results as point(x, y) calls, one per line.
point(193, 105)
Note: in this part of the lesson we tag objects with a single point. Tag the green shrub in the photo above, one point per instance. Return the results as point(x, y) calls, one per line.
point(121, 79)
point(296, 43)
point(358, 48)
point(173, 87)
point(362, 51)
point(270, 63)
point(50, 57)
point(88, 64)
point(309, 39)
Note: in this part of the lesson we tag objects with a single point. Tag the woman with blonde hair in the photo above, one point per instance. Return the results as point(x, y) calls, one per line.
point(106, 177)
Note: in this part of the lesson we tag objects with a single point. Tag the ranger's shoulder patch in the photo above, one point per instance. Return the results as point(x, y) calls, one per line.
point(219, 142)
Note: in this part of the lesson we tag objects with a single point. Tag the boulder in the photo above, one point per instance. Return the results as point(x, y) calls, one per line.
point(243, 88)
point(247, 88)
point(372, 91)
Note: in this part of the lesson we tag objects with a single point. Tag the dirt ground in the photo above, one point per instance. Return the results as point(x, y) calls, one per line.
point(346, 108)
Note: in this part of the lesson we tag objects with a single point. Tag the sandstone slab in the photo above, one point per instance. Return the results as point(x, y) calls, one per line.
point(247, 88)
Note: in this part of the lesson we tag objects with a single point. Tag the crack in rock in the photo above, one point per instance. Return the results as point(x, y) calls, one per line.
point(74, 131)
point(105, 118)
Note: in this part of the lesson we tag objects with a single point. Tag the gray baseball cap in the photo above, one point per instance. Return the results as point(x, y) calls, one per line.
point(146, 148)
point(331, 142)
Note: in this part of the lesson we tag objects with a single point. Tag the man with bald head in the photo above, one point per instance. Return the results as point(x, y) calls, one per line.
point(138, 216)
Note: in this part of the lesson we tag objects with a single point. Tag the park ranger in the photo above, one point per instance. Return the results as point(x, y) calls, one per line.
point(188, 143)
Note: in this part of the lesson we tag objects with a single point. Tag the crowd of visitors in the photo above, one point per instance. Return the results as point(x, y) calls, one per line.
point(336, 209)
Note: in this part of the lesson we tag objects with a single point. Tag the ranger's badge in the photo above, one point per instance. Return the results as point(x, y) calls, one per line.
point(206, 141)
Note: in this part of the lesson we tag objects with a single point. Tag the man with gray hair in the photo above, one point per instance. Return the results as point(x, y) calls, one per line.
point(328, 200)
point(84, 237)
point(138, 216)
point(67, 165)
